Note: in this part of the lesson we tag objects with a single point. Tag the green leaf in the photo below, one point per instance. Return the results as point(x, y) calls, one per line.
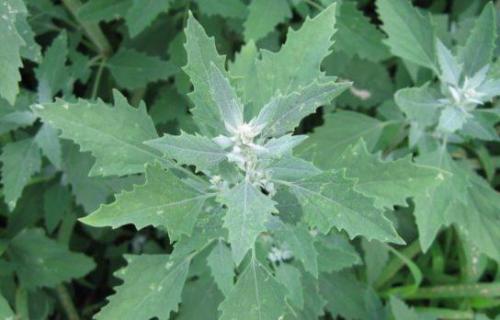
point(201, 53)
point(283, 114)
point(448, 64)
point(335, 253)
point(290, 278)
point(452, 119)
point(56, 203)
point(190, 149)
point(12, 118)
point(133, 69)
point(301, 243)
point(142, 13)
point(5, 310)
point(356, 35)
point(48, 140)
point(103, 10)
point(263, 16)
point(221, 265)
point(478, 50)
point(43, 262)
point(279, 71)
point(290, 168)
point(203, 294)
point(256, 296)
point(419, 104)
point(390, 183)
point(340, 130)
point(164, 200)
point(10, 55)
point(152, 288)
point(52, 73)
point(411, 34)
point(224, 8)
point(248, 211)
point(20, 160)
point(329, 200)
point(115, 136)
point(401, 311)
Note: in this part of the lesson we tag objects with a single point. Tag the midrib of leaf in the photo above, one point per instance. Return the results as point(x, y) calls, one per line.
point(197, 150)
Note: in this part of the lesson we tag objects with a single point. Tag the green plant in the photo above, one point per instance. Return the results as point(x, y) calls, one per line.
point(261, 198)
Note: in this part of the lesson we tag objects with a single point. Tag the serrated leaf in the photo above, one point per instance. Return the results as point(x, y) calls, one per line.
point(104, 10)
point(189, 149)
point(301, 55)
point(340, 130)
point(290, 168)
point(356, 35)
point(335, 253)
point(257, 293)
point(329, 200)
point(114, 135)
point(133, 69)
point(203, 294)
point(248, 211)
point(56, 203)
point(221, 265)
point(390, 183)
point(290, 277)
point(263, 16)
point(419, 104)
point(452, 119)
point(20, 160)
point(43, 262)
point(201, 53)
point(478, 49)
point(283, 113)
point(48, 140)
point(152, 288)
point(10, 50)
point(164, 200)
point(12, 118)
point(411, 34)
point(142, 13)
point(448, 64)
point(223, 8)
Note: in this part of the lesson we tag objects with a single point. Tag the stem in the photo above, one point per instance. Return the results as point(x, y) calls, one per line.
point(97, 80)
point(441, 313)
point(92, 30)
point(396, 264)
point(67, 303)
point(474, 290)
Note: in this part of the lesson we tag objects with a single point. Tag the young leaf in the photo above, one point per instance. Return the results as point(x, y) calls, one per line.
point(256, 296)
point(10, 50)
point(164, 200)
point(329, 200)
point(263, 16)
point(152, 288)
point(43, 262)
point(390, 183)
point(20, 160)
point(190, 149)
point(133, 69)
point(115, 136)
point(248, 211)
point(448, 64)
point(283, 113)
point(411, 34)
point(221, 265)
point(480, 44)
point(201, 53)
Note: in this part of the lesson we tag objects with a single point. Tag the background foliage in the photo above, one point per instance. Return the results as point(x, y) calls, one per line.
point(413, 142)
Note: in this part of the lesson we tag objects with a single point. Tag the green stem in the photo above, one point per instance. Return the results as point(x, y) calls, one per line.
point(97, 80)
point(441, 313)
point(473, 290)
point(396, 264)
point(92, 30)
point(67, 303)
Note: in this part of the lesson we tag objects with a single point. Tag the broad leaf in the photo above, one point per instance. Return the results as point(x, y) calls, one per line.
point(223, 8)
point(419, 104)
point(256, 296)
point(221, 265)
point(43, 262)
point(164, 200)
point(104, 10)
point(142, 13)
point(115, 136)
point(248, 211)
point(263, 16)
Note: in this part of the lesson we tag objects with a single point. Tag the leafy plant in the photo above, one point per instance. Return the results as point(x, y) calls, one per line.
point(345, 172)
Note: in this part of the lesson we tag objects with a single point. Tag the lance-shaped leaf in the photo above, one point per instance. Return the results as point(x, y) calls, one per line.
point(42, 262)
point(389, 182)
point(296, 65)
point(190, 149)
point(201, 53)
point(10, 54)
point(221, 265)
point(114, 136)
point(152, 288)
point(164, 200)
point(283, 113)
point(478, 49)
point(329, 200)
point(248, 211)
point(411, 34)
point(448, 64)
point(256, 296)
point(20, 160)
